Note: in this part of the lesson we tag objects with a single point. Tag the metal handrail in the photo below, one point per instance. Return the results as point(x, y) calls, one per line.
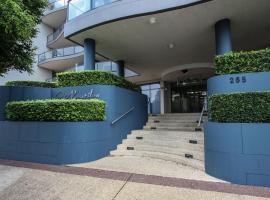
point(52, 36)
point(203, 110)
point(123, 115)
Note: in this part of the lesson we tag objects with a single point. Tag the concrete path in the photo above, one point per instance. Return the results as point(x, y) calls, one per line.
point(148, 166)
point(30, 181)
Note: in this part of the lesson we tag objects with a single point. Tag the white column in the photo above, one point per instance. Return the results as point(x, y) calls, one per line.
point(162, 97)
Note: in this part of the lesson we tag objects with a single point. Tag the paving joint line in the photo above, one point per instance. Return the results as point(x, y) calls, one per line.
point(122, 186)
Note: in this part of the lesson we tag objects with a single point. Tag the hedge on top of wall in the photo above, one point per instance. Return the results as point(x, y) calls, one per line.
point(56, 110)
point(249, 107)
point(32, 84)
point(67, 79)
point(243, 62)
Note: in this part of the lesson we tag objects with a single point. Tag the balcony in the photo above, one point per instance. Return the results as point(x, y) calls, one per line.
point(61, 59)
point(56, 39)
point(56, 13)
point(78, 7)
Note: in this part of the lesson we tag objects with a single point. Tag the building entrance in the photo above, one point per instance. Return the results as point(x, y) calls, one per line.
point(188, 96)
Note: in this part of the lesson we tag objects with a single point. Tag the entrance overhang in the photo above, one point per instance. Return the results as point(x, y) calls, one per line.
point(177, 37)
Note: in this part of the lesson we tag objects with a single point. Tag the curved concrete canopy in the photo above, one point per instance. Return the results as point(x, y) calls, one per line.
point(195, 70)
point(145, 47)
point(55, 18)
point(60, 42)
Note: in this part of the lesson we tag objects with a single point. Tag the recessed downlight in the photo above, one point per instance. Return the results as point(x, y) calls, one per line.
point(153, 20)
point(171, 45)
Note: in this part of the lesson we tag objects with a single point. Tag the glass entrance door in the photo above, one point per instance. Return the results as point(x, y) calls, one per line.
point(188, 96)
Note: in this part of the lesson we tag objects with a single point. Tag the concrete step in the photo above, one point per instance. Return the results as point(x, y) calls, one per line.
point(197, 155)
point(173, 120)
point(163, 156)
point(173, 128)
point(171, 124)
point(195, 118)
point(167, 135)
point(185, 144)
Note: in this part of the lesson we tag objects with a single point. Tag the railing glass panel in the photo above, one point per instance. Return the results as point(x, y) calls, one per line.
point(55, 34)
point(60, 53)
point(78, 7)
point(55, 4)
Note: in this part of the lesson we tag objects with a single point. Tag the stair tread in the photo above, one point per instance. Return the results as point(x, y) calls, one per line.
point(164, 156)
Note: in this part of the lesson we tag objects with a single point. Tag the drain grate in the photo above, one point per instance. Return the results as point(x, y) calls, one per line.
point(193, 141)
point(188, 156)
point(130, 148)
point(139, 138)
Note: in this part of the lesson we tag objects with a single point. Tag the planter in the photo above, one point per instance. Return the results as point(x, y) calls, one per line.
point(238, 152)
point(70, 142)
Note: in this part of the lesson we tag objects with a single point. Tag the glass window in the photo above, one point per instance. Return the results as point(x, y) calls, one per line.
point(152, 91)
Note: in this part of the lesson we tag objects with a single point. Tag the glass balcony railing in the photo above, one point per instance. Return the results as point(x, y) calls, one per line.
point(51, 37)
point(55, 4)
point(78, 7)
point(57, 53)
point(104, 66)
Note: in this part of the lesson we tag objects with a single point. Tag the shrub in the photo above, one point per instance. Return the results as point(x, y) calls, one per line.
point(243, 62)
point(250, 107)
point(56, 110)
point(32, 84)
point(67, 79)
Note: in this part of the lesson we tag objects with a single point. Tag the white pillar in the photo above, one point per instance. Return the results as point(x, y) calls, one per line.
point(162, 97)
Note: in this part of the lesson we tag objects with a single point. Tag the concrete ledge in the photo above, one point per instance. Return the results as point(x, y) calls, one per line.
point(238, 152)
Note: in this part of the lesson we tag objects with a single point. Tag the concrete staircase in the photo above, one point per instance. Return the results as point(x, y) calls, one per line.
point(171, 137)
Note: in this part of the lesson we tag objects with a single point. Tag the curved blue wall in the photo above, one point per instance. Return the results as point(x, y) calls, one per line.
point(238, 152)
point(69, 142)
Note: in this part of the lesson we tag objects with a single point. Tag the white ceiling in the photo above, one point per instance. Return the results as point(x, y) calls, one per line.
point(144, 46)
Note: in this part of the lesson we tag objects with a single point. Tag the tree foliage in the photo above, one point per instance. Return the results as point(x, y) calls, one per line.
point(18, 25)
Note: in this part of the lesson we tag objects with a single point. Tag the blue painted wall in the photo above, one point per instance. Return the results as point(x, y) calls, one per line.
point(70, 142)
point(238, 152)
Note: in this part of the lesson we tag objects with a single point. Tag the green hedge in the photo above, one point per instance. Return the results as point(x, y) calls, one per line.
point(32, 84)
point(243, 62)
point(56, 110)
point(67, 79)
point(250, 107)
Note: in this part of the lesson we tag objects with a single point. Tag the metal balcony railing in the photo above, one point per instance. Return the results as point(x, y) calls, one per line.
point(78, 7)
point(58, 53)
point(51, 37)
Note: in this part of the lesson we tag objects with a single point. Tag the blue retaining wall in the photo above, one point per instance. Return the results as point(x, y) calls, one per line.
point(70, 142)
point(238, 152)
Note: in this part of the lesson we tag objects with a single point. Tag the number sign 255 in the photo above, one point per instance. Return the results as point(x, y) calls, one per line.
point(238, 79)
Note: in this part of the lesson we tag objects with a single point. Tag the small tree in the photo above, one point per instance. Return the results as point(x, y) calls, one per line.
point(18, 25)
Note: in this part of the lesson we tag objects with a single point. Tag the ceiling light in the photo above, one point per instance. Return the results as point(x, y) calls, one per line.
point(171, 46)
point(153, 20)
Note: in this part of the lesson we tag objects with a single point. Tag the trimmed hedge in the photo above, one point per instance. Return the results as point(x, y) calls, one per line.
point(250, 107)
point(56, 110)
point(32, 84)
point(67, 79)
point(243, 62)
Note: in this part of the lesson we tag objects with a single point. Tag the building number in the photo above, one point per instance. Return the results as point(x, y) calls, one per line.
point(236, 80)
